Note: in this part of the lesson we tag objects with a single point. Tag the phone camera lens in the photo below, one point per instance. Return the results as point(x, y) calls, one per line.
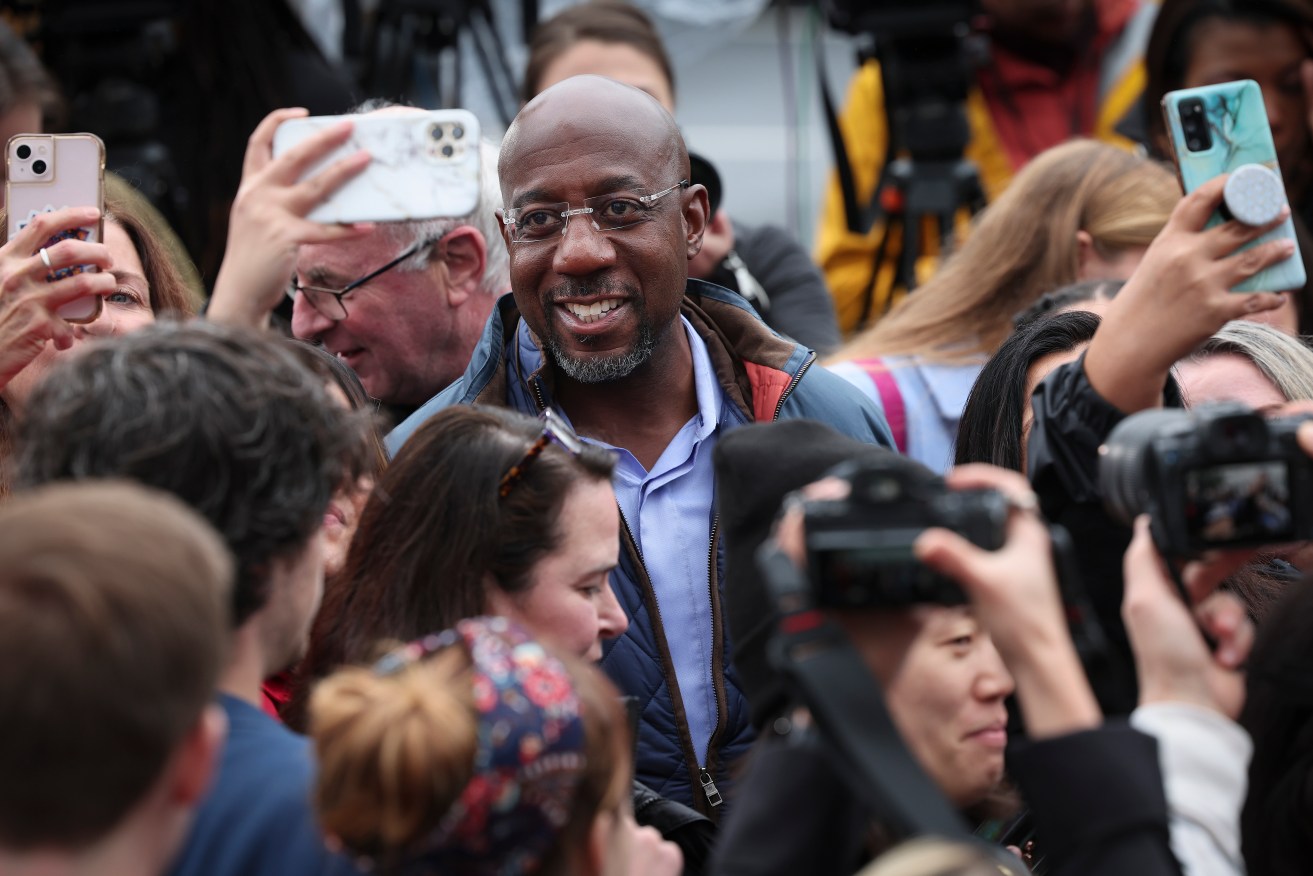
point(448, 151)
point(457, 132)
point(24, 151)
point(1194, 144)
point(38, 167)
point(436, 132)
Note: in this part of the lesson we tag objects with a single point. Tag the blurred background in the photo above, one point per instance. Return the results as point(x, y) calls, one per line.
point(174, 87)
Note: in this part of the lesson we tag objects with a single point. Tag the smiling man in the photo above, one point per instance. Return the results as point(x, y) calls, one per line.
point(604, 326)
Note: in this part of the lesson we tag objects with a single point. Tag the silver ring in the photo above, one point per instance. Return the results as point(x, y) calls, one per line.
point(1025, 502)
point(45, 259)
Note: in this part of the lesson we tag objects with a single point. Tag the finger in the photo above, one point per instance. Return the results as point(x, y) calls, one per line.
point(46, 225)
point(1147, 586)
point(1305, 437)
point(306, 231)
point(61, 333)
point(1225, 618)
point(1195, 209)
point(311, 192)
point(1224, 239)
point(68, 253)
point(950, 554)
point(292, 164)
point(1242, 265)
point(259, 146)
point(53, 296)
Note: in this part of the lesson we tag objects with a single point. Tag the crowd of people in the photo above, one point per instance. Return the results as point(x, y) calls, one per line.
point(542, 541)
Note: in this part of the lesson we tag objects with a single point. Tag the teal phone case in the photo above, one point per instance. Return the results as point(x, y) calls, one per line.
point(1237, 119)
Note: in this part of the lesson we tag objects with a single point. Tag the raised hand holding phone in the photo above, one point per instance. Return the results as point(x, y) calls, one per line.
point(48, 172)
point(30, 301)
point(268, 221)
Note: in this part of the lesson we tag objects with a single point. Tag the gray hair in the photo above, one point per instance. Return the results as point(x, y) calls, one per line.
point(496, 272)
point(1284, 360)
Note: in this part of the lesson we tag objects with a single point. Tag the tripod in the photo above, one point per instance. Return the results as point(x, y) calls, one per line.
point(909, 193)
point(427, 34)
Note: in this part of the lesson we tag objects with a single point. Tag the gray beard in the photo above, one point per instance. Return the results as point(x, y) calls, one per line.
point(601, 369)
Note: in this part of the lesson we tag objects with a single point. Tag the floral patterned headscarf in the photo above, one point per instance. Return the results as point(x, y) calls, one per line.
point(528, 763)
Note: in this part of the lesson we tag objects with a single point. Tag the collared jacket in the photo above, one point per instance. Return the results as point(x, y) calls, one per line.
point(763, 377)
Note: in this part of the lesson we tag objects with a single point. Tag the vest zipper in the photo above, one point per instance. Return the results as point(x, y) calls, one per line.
point(797, 378)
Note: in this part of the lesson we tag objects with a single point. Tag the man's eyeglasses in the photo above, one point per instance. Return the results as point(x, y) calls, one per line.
point(555, 428)
point(329, 301)
point(614, 212)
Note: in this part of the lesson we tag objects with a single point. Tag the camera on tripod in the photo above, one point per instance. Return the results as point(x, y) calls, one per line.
point(859, 549)
point(926, 52)
point(1218, 476)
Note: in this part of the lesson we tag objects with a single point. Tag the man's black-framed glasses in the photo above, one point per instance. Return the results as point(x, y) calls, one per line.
point(555, 428)
point(329, 301)
point(535, 223)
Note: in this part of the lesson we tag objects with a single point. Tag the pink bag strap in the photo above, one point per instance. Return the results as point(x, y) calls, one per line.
point(891, 398)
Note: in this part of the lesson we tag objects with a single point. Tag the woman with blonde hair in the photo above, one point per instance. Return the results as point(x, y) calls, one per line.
point(479, 751)
point(1080, 211)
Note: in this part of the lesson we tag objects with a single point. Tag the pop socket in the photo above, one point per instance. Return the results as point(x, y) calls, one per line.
point(1253, 194)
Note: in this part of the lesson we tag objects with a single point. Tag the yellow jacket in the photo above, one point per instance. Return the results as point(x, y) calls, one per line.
point(846, 258)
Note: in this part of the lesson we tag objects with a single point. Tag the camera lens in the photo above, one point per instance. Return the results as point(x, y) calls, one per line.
point(436, 132)
point(448, 151)
point(457, 132)
point(1193, 143)
point(23, 151)
point(38, 167)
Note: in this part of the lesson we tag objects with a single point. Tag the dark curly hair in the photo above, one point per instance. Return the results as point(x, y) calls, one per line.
point(227, 420)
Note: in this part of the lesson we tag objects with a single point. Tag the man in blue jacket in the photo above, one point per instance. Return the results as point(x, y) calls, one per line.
point(604, 326)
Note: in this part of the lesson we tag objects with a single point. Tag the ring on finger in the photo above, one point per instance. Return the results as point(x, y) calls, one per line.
point(45, 259)
point(1024, 502)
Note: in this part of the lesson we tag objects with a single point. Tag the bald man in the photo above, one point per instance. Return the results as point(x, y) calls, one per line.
point(604, 326)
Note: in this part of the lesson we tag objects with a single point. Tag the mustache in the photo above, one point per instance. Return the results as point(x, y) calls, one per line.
point(590, 287)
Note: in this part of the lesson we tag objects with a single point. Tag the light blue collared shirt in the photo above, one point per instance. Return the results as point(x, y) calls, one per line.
point(669, 512)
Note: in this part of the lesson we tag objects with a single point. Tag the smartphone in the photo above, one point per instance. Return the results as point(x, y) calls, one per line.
point(48, 172)
point(425, 165)
point(1215, 129)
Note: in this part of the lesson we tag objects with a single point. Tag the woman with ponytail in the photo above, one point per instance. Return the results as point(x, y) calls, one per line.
point(479, 752)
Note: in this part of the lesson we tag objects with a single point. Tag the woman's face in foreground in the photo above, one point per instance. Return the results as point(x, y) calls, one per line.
point(570, 601)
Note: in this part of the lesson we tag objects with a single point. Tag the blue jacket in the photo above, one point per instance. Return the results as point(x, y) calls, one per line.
point(764, 378)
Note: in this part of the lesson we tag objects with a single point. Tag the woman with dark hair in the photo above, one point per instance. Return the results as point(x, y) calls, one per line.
point(997, 414)
point(483, 511)
point(1204, 42)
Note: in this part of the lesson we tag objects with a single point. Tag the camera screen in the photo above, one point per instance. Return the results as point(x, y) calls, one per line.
point(1246, 502)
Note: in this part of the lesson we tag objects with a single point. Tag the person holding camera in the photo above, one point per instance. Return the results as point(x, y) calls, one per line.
point(1094, 788)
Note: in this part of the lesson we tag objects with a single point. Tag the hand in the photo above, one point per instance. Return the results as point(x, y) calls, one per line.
point(1172, 659)
point(268, 222)
point(1178, 297)
point(717, 241)
point(1015, 593)
point(652, 855)
point(28, 302)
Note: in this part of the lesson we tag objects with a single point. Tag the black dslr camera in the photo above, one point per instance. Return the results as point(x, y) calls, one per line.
point(859, 549)
point(1215, 477)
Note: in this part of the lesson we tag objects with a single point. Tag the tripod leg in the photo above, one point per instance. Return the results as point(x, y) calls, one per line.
point(911, 249)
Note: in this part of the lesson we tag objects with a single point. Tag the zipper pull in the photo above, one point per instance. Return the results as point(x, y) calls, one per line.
point(709, 788)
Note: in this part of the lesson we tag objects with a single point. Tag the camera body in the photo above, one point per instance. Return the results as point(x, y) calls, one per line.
point(859, 549)
point(1218, 476)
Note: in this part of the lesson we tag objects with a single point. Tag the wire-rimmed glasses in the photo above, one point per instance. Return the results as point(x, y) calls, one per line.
point(535, 223)
point(329, 301)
